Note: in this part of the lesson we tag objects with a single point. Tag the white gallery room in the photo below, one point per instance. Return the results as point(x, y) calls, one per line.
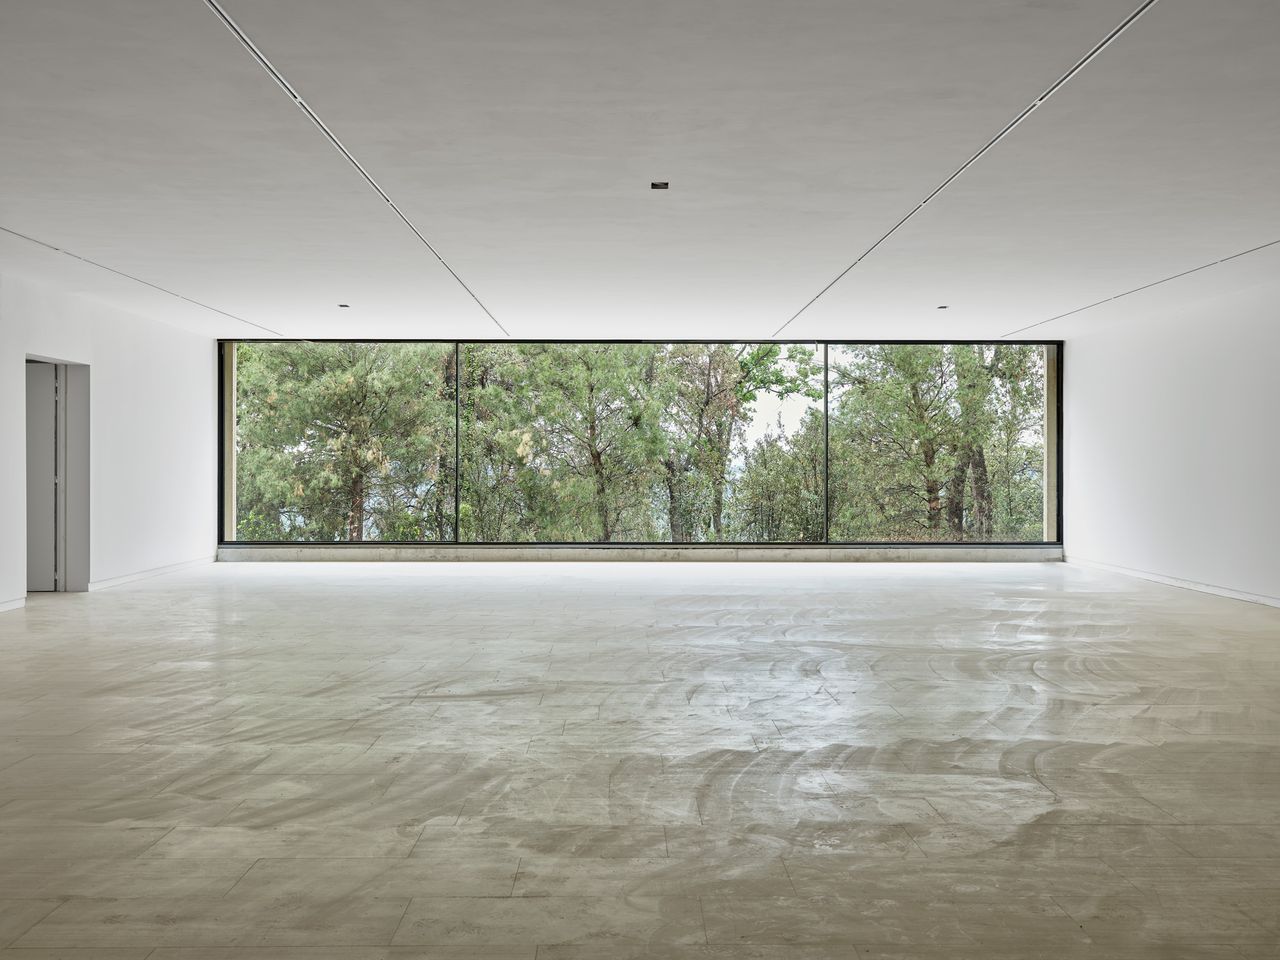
point(640, 480)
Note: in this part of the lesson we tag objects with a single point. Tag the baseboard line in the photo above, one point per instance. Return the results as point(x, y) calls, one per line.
point(1175, 581)
point(110, 582)
point(17, 604)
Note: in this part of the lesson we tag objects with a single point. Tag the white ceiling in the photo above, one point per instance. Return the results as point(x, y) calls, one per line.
point(521, 136)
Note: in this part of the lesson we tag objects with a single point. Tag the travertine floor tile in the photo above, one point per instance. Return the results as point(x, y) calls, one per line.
point(344, 953)
point(194, 921)
point(528, 838)
point(584, 877)
point(23, 840)
point(570, 762)
point(551, 920)
point(463, 875)
point(1049, 950)
point(219, 843)
point(959, 880)
point(120, 878)
point(834, 920)
point(621, 951)
point(19, 915)
point(1192, 917)
point(72, 953)
point(1230, 841)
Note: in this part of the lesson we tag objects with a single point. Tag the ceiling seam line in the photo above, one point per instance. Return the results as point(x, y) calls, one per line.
point(1004, 132)
point(282, 82)
point(1145, 286)
point(131, 277)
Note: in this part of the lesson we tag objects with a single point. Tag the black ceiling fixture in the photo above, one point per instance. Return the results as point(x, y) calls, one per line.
point(345, 306)
point(659, 185)
point(943, 307)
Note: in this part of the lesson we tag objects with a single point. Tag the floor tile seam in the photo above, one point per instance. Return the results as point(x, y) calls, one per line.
point(1272, 931)
point(1054, 897)
point(399, 923)
point(1127, 879)
point(227, 893)
point(417, 840)
point(1161, 828)
point(1270, 824)
point(12, 763)
point(142, 854)
point(1177, 820)
point(35, 923)
point(790, 879)
point(941, 816)
point(515, 879)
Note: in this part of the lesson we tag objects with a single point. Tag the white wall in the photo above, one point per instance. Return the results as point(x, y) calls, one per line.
point(1172, 435)
point(153, 425)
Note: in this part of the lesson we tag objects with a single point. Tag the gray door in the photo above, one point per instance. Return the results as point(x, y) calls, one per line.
point(42, 466)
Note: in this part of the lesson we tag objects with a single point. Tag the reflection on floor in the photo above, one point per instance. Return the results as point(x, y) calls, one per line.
point(366, 762)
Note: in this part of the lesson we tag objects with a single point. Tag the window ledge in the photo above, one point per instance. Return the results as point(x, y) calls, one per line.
point(427, 552)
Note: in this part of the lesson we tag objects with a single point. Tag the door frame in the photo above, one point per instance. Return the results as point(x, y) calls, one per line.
point(71, 474)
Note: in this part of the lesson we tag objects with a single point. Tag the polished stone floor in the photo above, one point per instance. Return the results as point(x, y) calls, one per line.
point(698, 762)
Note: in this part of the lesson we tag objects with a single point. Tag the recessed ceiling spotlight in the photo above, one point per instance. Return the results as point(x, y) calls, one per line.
point(659, 185)
point(943, 307)
point(345, 306)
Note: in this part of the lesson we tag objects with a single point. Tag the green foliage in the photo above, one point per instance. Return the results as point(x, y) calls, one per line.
point(777, 496)
point(558, 441)
point(937, 443)
point(620, 442)
point(344, 441)
point(610, 442)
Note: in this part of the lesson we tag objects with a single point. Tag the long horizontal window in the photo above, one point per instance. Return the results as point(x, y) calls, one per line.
point(687, 443)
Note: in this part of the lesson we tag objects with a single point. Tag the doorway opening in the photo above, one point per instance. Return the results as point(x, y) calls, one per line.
point(57, 476)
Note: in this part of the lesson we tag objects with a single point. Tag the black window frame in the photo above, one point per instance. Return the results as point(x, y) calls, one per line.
point(1055, 356)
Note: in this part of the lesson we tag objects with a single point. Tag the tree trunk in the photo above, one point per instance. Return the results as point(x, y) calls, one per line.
point(675, 522)
point(932, 489)
point(602, 499)
point(983, 506)
point(955, 498)
point(723, 439)
point(445, 468)
point(717, 507)
point(355, 513)
point(597, 470)
point(443, 507)
point(933, 499)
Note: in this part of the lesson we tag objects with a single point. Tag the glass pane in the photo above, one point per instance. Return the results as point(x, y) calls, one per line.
point(641, 443)
point(344, 441)
point(937, 442)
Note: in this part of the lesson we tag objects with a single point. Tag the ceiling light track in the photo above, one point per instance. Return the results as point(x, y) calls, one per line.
point(1004, 132)
point(145, 283)
point(338, 145)
point(1145, 286)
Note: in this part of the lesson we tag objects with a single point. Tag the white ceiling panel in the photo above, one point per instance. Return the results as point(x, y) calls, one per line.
point(1158, 158)
point(521, 138)
point(524, 136)
point(139, 135)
